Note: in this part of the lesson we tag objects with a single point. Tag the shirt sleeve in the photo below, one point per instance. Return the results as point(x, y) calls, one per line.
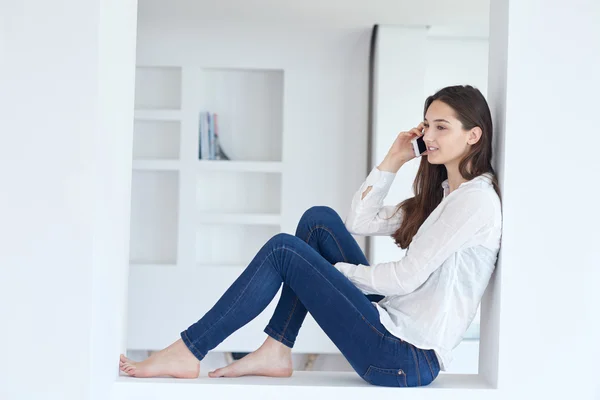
point(369, 216)
point(461, 219)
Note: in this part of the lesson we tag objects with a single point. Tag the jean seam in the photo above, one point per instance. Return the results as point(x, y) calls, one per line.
point(417, 364)
point(368, 371)
point(307, 240)
point(393, 339)
point(287, 323)
point(280, 337)
point(325, 228)
point(428, 362)
point(237, 299)
point(193, 347)
point(289, 318)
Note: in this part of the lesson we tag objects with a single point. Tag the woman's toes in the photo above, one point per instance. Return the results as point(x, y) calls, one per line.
point(217, 373)
point(127, 367)
point(166, 362)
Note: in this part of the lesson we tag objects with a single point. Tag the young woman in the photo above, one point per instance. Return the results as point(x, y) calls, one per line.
point(395, 322)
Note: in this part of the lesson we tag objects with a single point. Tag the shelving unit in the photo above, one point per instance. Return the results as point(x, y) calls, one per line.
point(196, 223)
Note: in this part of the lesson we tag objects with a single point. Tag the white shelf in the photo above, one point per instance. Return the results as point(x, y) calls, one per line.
point(229, 270)
point(239, 219)
point(158, 115)
point(157, 165)
point(150, 266)
point(241, 166)
point(211, 165)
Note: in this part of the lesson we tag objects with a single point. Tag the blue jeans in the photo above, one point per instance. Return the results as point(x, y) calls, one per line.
point(303, 264)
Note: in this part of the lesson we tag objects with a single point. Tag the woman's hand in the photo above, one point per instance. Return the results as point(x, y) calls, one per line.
point(401, 150)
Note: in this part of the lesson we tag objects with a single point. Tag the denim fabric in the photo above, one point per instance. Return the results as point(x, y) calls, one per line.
point(304, 265)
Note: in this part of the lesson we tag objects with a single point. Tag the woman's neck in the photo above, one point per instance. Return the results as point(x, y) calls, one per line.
point(455, 179)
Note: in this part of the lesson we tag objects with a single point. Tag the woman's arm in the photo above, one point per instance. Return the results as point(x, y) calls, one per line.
point(368, 215)
point(386, 166)
point(462, 218)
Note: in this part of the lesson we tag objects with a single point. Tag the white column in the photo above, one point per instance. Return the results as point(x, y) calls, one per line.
point(112, 149)
point(65, 125)
point(544, 88)
point(48, 106)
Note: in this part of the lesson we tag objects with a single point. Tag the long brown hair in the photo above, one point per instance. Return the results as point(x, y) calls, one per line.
point(471, 110)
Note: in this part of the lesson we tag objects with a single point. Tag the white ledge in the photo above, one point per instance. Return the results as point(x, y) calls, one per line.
point(300, 385)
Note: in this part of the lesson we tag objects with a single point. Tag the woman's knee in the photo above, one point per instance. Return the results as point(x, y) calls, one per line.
point(319, 213)
point(283, 239)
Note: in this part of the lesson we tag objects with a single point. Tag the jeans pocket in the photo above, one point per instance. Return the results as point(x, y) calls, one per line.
point(395, 377)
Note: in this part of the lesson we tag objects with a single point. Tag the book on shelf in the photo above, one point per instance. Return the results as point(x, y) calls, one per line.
point(210, 148)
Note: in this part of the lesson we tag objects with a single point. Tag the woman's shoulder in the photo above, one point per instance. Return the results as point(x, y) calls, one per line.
point(478, 194)
point(483, 198)
point(483, 181)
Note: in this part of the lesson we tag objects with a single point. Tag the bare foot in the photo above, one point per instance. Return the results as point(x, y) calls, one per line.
point(271, 359)
point(175, 361)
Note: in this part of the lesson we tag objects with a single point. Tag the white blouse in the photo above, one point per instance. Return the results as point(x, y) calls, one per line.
point(433, 292)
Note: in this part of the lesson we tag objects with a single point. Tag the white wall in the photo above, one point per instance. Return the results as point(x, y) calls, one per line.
point(546, 97)
point(112, 149)
point(61, 232)
point(46, 174)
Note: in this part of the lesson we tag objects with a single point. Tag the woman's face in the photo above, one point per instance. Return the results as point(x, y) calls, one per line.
point(444, 132)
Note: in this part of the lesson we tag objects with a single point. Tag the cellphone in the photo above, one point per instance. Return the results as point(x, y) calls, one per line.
point(419, 146)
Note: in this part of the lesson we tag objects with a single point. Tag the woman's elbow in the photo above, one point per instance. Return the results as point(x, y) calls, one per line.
point(354, 228)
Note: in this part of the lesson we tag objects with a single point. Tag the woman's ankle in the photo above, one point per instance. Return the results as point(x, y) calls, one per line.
point(276, 346)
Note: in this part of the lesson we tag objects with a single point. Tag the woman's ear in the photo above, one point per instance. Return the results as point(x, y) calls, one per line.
point(474, 135)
